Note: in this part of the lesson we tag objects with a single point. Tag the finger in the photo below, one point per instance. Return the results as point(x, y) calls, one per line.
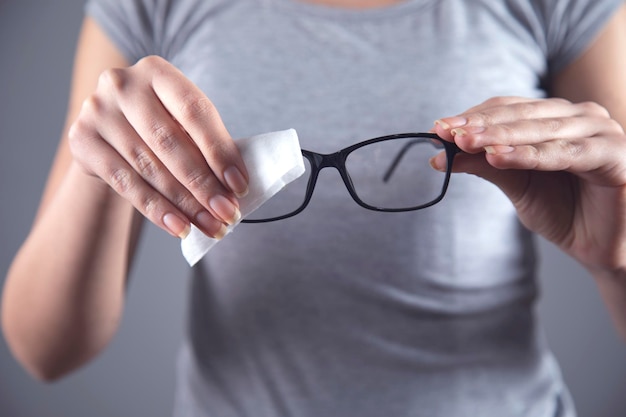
point(505, 110)
point(595, 159)
point(100, 159)
point(535, 109)
point(512, 182)
point(146, 163)
point(199, 118)
point(532, 131)
point(127, 143)
point(500, 101)
point(154, 206)
point(447, 123)
point(443, 131)
point(171, 154)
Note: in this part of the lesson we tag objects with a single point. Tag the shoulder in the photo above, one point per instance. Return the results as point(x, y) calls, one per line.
point(565, 28)
point(156, 27)
point(598, 73)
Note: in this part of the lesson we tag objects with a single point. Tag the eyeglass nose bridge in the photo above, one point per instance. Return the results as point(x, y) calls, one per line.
point(320, 161)
point(335, 160)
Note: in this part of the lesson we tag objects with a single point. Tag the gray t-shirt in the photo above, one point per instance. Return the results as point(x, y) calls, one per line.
point(341, 311)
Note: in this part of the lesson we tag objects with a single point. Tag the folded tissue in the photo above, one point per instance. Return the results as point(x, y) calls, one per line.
point(273, 160)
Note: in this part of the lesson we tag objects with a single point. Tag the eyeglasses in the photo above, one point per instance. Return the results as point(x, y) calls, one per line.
point(389, 173)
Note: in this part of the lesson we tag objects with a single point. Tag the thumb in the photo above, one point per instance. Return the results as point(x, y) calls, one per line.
point(514, 183)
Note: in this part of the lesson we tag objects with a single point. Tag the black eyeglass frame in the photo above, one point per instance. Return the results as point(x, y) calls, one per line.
point(337, 160)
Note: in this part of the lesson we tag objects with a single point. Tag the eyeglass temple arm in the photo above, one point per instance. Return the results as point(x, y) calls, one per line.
point(401, 153)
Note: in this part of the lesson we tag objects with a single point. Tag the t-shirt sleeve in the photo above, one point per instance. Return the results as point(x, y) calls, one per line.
point(132, 25)
point(571, 26)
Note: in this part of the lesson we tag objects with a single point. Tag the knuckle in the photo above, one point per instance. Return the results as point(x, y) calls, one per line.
point(194, 108)
point(185, 202)
point(75, 145)
point(164, 138)
point(150, 61)
point(553, 125)
point(535, 157)
point(149, 205)
point(527, 110)
point(92, 105)
point(216, 151)
point(576, 149)
point(80, 139)
point(560, 100)
point(152, 66)
point(496, 101)
point(120, 179)
point(77, 132)
point(200, 180)
point(145, 163)
point(593, 108)
point(571, 150)
point(505, 131)
point(614, 126)
point(113, 78)
point(479, 119)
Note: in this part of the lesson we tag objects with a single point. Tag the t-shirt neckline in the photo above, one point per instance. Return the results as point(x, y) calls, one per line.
point(320, 10)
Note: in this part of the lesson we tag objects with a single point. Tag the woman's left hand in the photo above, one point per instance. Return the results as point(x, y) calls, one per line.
point(563, 165)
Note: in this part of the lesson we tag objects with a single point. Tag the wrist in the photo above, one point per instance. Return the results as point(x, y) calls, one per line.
point(610, 276)
point(612, 287)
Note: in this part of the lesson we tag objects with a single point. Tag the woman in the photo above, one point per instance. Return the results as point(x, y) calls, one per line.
point(339, 310)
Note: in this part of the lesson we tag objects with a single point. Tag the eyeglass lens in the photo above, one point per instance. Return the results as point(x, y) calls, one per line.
point(396, 174)
point(288, 200)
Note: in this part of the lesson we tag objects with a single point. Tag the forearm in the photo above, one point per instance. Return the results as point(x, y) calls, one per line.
point(63, 295)
point(598, 76)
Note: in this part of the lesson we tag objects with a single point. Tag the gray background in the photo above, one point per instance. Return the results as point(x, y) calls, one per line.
point(135, 375)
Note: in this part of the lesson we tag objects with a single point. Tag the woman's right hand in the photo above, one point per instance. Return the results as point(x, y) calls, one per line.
point(158, 141)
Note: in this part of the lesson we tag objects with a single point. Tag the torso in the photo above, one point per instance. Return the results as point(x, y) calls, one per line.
point(340, 311)
point(338, 291)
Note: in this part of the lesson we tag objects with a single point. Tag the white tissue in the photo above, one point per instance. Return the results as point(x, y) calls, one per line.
point(273, 160)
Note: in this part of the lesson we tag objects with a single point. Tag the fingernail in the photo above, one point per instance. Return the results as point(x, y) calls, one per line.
point(225, 209)
point(176, 225)
point(211, 225)
point(438, 162)
point(458, 131)
point(499, 149)
point(236, 181)
point(456, 121)
point(443, 124)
